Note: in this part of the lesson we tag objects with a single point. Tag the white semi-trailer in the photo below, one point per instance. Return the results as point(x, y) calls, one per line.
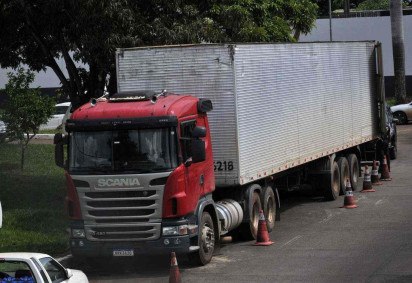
point(284, 115)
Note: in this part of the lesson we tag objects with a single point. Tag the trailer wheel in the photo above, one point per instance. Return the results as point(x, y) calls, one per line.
point(206, 239)
point(267, 198)
point(344, 173)
point(332, 191)
point(248, 229)
point(353, 171)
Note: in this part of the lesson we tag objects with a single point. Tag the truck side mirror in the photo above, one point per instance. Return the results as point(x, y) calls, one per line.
point(198, 151)
point(59, 142)
point(199, 132)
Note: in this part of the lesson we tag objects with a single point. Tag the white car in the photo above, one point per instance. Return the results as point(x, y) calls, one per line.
point(402, 112)
point(36, 268)
point(2, 129)
point(56, 120)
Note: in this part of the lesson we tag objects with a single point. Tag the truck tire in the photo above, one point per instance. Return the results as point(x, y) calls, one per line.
point(353, 171)
point(332, 190)
point(393, 151)
point(248, 229)
point(344, 173)
point(267, 198)
point(401, 116)
point(206, 240)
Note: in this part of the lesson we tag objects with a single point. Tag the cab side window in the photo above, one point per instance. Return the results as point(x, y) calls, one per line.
point(186, 130)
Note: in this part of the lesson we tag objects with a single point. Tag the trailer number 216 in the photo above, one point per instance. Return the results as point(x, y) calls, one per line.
point(223, 165)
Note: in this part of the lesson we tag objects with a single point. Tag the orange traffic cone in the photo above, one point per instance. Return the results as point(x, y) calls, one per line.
point(349, 201)
point(367, 184)
point(262, 238)
point(375, 175)
point(174, 275)
point(385, 176)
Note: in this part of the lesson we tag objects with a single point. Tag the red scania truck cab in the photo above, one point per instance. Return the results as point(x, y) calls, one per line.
point(140, 168)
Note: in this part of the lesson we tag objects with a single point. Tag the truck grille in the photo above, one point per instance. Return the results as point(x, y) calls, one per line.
point(122, 214)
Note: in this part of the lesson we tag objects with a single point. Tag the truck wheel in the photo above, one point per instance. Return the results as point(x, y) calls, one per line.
point(248, 230)
point(267, 198)
point(344, 173)
point(393, 151)
point(206, 239)
point(332, 191)
point(353, 171)
point(402, 118)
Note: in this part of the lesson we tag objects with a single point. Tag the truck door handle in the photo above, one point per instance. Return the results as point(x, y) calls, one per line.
point(202, 179)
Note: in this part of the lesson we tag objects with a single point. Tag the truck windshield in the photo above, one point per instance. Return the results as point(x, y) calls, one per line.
point(125, 151)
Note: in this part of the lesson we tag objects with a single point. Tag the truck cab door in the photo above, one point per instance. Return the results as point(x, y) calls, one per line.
point(194, 172)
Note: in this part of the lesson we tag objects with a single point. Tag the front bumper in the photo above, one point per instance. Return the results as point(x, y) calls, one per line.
point(86, 248)
point(83, 247)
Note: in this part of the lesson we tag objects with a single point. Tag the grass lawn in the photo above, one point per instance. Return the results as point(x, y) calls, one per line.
point(34, 217)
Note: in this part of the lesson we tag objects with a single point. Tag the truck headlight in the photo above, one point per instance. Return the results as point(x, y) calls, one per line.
point(78, 233)
point(175, 230)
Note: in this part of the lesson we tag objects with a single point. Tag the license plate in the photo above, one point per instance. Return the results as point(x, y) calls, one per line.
point(123, 253)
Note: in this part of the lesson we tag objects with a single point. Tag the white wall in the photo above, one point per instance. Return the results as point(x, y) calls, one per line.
point(44, 79)
point(366, 28)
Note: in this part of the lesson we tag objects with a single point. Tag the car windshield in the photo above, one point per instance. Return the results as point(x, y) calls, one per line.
point(60, 110)
point(15, 271)
point(133, 151)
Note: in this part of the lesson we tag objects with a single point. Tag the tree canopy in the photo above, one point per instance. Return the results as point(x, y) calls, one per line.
point(379, 4)
point(39, 32)
point(358, 5)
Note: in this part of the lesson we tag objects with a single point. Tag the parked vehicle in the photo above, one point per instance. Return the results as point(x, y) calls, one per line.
point(2, 130)
point(402, 112)
point(57, 119)
point(36, 268)
point(154, 172)
point(392, 135)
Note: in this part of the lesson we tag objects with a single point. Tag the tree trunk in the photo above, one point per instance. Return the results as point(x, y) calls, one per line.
point(346, 7)
point(23, 150)
point(398, 50)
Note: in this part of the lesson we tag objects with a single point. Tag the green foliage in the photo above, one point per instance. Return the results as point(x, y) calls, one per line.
point(391, 101)
point(257, 21)
point(34, 218)
point(359, 5)
point(379, 4)
point(25, 109)
point(39, 32)
point(374, 5)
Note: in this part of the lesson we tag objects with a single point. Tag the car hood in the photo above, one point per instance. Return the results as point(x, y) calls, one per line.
point(399, 107)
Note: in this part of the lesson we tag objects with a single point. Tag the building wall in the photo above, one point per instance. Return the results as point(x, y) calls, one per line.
point(369, 28)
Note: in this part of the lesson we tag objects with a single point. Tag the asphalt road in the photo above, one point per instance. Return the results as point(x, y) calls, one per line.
point(315, 241)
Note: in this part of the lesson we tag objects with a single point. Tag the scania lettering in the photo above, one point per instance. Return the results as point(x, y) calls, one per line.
point(118, 182)
point(160, 171)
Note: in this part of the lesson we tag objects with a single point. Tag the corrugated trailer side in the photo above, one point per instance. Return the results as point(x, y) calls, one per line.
point(299, 102)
